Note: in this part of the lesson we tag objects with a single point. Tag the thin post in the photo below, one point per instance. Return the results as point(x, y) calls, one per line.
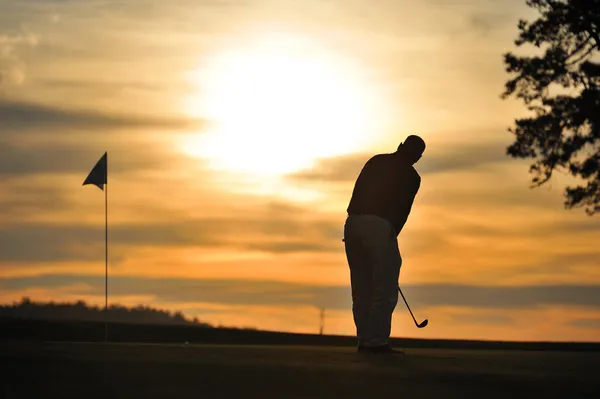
point(322, 321)
point(106, 256)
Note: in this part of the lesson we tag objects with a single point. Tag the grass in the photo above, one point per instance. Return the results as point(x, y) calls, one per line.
point(93, 331)
point(130, 370)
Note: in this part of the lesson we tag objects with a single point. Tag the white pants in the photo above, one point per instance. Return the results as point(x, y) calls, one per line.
point(374, 261)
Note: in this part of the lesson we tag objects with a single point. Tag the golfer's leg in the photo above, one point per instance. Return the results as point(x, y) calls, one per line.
point(360, 277)
point(386, 263)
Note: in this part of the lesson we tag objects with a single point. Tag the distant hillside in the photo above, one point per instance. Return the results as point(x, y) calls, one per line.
point(81, 311)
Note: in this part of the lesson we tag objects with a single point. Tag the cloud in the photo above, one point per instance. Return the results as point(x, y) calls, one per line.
point(12, 67)
point(464, 156)
point(20, 197)
point(590, 323)
point(340, 169)
point(99, 85)
point(479, 18)
point(469, 156)
point(505, 296)
point(541, 229)
point(170, 290)
point(22, 117)
point(48, 243)
point(484, 23)
point(42, 242)
point(66, 157)
point(569, 260)
point(257, 292)
point(478, 318)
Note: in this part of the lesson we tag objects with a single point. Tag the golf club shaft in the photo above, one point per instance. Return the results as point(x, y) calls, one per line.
point(411, 313)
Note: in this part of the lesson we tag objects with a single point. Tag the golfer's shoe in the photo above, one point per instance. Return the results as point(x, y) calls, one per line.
point(379, 350)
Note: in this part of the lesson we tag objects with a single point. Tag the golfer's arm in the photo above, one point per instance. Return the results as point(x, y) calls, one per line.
point(407, 203)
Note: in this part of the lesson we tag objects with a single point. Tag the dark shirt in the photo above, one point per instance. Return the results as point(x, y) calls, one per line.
point(386, 187)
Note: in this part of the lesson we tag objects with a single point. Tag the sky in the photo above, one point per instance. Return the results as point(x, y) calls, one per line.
point(235, 130)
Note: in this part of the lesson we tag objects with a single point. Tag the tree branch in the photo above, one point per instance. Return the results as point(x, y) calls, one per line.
point(588, 52)
point(596, 37)
point(579, 48)
point(540, 182)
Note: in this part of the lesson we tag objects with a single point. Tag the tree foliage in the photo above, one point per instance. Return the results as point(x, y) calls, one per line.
point(82, 311)
point(560, 87)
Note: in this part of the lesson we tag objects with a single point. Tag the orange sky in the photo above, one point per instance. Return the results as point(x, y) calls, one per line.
point(235, 130)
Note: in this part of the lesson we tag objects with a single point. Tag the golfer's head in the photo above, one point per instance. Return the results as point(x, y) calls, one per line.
point(412, 148)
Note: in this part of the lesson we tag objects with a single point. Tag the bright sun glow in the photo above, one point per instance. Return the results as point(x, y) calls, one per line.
point(275, 108)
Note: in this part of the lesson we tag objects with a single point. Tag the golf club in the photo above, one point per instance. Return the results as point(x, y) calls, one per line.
point(419, 325)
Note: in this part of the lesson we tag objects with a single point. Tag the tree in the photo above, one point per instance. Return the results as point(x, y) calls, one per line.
point(561, 87)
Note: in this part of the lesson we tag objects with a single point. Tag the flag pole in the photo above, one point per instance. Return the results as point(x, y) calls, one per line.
point(99, 178)
point(106, 254)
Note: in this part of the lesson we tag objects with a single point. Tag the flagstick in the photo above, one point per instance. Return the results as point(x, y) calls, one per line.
point(106, 257)
point(99, 178)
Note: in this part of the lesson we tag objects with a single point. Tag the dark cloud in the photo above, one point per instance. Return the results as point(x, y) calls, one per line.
point(569, 261)
point(593, 324)
point(17, 117)
point(579, 225)
point(34, 242)
point(341, 169)
point(463, 157)
point(518, 198)
point(505, 296)
point(471, 157)
point(478, 318)
point(274, 228)
point(22, 199)
point(294, 246)
point(38, 243)
point(169, 290)
point(63, 157)
point(484, 23)
point(481, 229)
point(90, 3)
point(98, 86)
point(240, 292)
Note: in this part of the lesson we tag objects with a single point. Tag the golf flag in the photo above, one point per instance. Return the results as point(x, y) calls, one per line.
point(98, 175)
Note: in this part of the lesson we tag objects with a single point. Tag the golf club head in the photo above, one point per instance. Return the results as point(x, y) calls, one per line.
point(423, 324)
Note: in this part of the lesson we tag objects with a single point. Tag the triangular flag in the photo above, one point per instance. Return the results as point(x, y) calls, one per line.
point(98, 175)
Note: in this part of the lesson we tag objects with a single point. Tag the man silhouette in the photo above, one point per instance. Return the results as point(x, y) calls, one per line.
point(381, 202)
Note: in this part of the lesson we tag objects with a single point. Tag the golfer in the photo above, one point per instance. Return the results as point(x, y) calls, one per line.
point(381, 201)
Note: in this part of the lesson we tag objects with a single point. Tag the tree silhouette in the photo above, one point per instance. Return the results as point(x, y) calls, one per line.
point(82, 311)
point(561, 88)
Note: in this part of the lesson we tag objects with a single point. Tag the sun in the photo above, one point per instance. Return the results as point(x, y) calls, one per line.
point(275, 107)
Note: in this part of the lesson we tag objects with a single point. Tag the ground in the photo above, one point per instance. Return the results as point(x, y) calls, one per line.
point(119, 370)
